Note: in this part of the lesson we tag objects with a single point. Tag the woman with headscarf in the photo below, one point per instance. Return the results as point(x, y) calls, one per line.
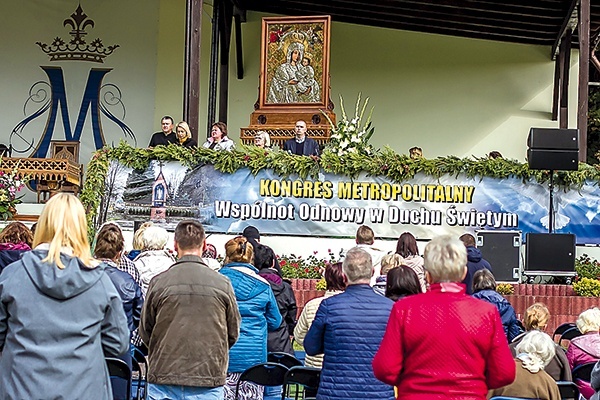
point(259, 312)
point(60, 314)
point(284, 84)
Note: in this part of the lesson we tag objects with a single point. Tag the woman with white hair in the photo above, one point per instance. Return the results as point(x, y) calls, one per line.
point(585, 348)
point(262, 140)
point(154, 257)
point(444, 343)
point(534, 352)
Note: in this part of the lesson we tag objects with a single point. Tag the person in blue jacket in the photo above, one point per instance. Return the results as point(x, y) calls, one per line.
point(475, 260)
point(348, 329)
point(484, 288)
point(260, 315)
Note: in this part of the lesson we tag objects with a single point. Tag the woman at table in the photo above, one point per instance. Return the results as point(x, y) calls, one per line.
point(184, 135)
point(218, 139)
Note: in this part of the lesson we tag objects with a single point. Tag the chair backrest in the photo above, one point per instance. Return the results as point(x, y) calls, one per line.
point(265, 374)
point(583, 372)
point(568, 390)
point(569, 334)
point(284, 359)
point(120, 378)
point(510, 398)
point(307, 377)
point(562, 328)
point(140, 365)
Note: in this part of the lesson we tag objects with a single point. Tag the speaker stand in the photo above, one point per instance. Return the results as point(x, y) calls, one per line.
point(551, 207)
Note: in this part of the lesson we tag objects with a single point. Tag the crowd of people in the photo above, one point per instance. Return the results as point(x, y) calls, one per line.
point(397, 325)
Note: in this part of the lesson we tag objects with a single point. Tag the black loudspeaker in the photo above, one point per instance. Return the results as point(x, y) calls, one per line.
point(553, 139)
point(501, 249)
point(553, 149)
point(550, 252)
point(557, 160)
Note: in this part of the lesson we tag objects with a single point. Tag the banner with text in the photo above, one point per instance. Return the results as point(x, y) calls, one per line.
point(336, 205)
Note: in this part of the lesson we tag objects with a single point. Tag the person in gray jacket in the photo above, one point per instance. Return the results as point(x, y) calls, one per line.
point(60, 314)
point(190, 320)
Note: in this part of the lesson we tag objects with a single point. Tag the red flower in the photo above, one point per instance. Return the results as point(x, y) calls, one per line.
point(306, 270)
point(282, 263)
point(295, 265)
point(274, 36)
point(246, 157)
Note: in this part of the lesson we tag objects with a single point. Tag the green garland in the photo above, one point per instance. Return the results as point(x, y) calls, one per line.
point(383, 163)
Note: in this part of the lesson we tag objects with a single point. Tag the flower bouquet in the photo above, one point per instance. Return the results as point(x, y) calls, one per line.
point(10, 183)
point(349, 136)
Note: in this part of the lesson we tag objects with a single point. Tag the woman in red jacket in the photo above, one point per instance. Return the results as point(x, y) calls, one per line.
point(444, 344)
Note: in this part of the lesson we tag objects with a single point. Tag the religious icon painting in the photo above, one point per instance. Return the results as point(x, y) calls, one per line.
point(295, 61)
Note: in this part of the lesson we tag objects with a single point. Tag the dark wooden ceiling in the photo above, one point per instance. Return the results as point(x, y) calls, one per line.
point(518, 21)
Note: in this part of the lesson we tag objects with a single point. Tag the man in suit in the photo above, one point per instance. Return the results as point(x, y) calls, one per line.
point(301, 145)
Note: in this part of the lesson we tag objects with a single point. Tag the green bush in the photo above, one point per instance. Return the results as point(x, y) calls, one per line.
point(587, 287)
point(587, 267)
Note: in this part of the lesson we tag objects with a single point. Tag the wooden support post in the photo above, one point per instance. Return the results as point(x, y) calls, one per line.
point(563, 119)
point(214, 63)
point(225, 44)
point(238, 15)
point(191, 95)
point(584, 76)
point(556, 90)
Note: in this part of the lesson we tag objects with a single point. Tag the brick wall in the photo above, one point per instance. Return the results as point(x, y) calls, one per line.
point(562, 302)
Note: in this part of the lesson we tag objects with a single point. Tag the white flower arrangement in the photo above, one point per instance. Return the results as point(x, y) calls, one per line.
point(348, 136)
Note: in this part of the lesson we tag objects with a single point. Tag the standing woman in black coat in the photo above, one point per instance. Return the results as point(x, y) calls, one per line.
point(278, 340)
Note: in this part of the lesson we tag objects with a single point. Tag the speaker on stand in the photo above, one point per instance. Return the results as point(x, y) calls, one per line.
point(554, 150)
point(551, 254)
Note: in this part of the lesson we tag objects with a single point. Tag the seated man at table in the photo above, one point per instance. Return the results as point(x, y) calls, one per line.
point(301, 145)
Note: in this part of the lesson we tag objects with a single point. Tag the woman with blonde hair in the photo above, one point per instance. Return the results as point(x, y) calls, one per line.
point(259, 312)
point(585, 348)
point(536, 319)
point(184, 135)
point(388, 262)
point(60, 314)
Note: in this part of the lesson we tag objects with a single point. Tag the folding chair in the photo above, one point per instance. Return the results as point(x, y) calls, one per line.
point(568, 390)
point(583, 372)
point(265, 374)
point(510, 398)
point(562, 328)
point(284, 359)
point(140, 365)
point(120, 378)
point(307, 377)
point(569, 335)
